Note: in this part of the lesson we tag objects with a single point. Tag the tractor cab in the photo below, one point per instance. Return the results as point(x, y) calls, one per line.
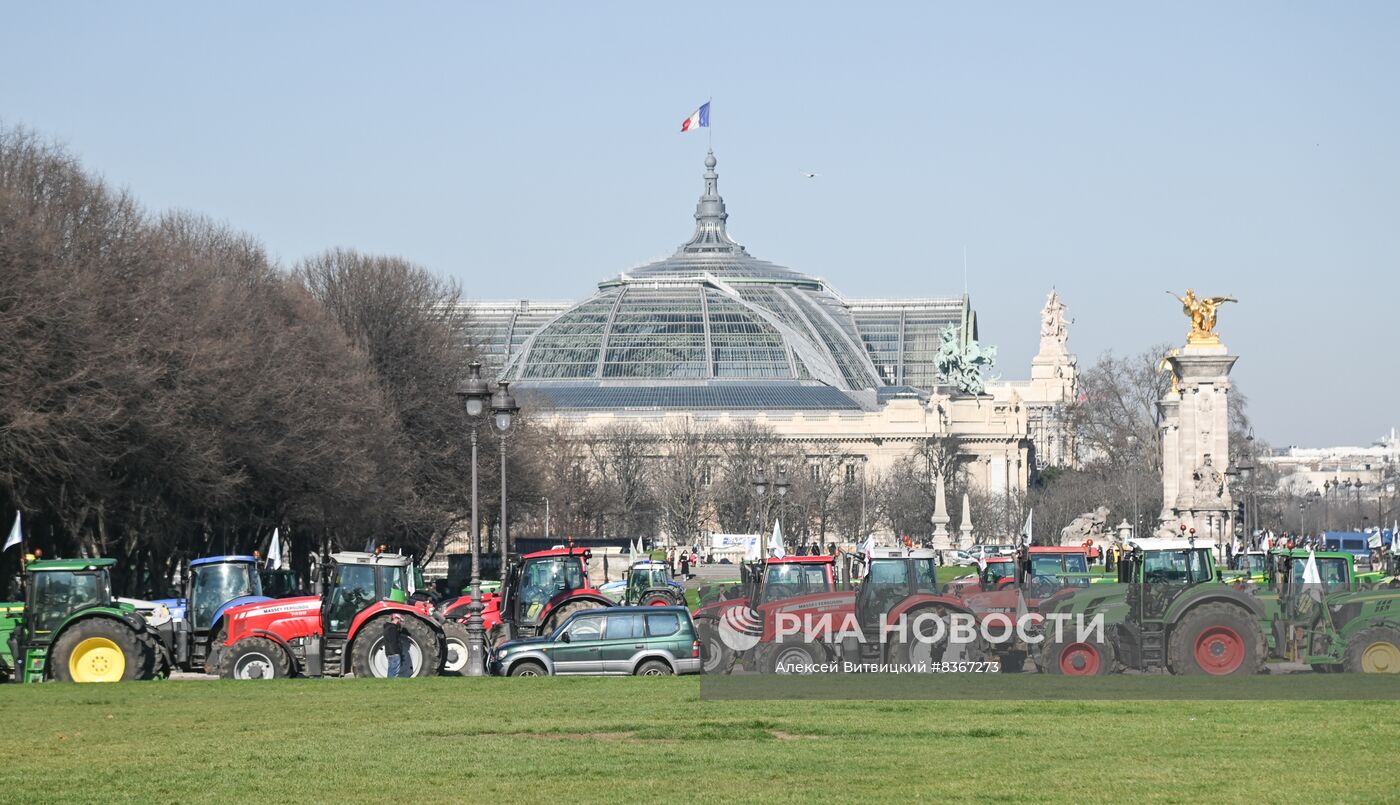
point(540, 590)
point(1298, 596)
point(1161, 569)
point(790, 577)
point(60, 588)
point(358, 580)
point(649, 583)
point(280, 583)
point(891, 579)
point(217, 582)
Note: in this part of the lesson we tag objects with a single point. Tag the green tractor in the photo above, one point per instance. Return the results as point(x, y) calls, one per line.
point(1335, 623)
point(1170, 611)
point(70, 628)
point(649, 583)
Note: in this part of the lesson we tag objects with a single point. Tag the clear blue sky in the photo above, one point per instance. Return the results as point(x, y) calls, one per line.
point(529, 150)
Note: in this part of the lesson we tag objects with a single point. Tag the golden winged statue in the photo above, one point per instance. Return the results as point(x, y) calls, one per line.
point(1201, 310)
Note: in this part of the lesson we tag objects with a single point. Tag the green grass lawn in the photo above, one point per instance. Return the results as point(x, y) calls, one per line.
point(630, 740)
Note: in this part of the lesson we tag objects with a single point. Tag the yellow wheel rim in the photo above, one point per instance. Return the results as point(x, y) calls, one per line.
point(1381, 658)
point(97, 659)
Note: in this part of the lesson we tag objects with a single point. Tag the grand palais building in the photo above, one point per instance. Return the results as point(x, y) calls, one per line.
point(716, 335)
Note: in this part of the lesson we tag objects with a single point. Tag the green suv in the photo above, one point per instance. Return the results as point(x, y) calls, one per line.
point(619, 641)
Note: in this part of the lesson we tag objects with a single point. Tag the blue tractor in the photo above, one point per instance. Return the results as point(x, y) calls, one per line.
point(193, 634)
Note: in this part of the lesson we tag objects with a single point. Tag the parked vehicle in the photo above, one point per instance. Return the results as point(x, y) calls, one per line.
point(899, 585)
point(1170, 611)
point(70, 628)
point(1332, 625)
point(764, 584)
point(625, 641)
point(339, 632)
point(649, 583)
point(541, 590)
point(211, 586)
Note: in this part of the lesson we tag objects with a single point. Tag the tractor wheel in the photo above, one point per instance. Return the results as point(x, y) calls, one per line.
point(654, 668)
point(454, 661)
point(255, 658)
point(658, 598)
point(157, 664)
point(1077, 658)
point(562, 613)
point(527, 668)
point(715, 656)
point(782, 658)
point(1216, 639)
point(98, 650)
point(368, 658)
point(216, 650)
point(925, 643)
point(1374, 651)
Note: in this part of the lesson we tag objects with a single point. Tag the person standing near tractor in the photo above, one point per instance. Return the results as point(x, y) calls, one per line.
point(685, 565)
point(399, 665)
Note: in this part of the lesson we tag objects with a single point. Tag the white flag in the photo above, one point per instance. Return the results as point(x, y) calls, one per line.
point(14, 538)
point(868, 547)
point(775, 543)
point(1312, 579)
point(274, 552)
point(1027, 531)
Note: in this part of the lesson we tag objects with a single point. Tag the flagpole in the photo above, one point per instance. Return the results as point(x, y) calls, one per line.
point(710, 129)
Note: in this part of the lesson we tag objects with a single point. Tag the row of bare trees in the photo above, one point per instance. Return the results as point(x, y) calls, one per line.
point(167, 391)
point(687, 479)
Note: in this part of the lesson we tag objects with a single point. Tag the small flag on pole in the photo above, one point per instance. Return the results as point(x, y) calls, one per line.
point(274, 552)
point(700, 118)
point(775, 544)
point(14, 538)
point(1028, 530)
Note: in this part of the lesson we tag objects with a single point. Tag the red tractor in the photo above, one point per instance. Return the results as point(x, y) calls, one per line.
point(339, 633)
point(540, 590)
point(859, 626)
point(765, 584)
point(1006, 589)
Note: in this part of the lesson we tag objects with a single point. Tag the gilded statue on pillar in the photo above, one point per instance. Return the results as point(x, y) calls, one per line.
point(1201, 310)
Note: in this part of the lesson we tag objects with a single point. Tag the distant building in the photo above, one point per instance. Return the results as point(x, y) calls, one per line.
point(1367, 472)
point(714, 335)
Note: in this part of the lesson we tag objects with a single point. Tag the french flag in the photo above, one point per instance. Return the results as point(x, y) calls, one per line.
point(699, 118)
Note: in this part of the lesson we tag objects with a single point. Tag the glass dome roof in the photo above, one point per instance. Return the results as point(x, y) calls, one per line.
point(710, 312)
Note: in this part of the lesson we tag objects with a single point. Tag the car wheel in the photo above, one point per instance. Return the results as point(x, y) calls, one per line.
point(654, 668)
point(528, 668)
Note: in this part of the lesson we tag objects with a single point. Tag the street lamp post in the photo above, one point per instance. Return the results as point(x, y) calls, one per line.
point(503, 411)
point(474, 394)
point(1132, 478)
point(781, 487)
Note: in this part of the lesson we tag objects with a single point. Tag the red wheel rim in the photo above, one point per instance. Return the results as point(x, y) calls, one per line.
point(1080, 659)
point(656, 602)
point(1219, 650)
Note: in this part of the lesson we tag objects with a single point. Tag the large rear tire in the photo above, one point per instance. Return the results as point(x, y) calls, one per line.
point(926, 641)
point(1217, 639)
point(715, 656)
point(255, 658)
point(98, 650)
point(562, 614)
point(454, 657)
point(368, 658)
point(789, 657)
point(1374, 651)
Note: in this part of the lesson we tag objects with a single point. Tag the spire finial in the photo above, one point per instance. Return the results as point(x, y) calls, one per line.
point(710, 235)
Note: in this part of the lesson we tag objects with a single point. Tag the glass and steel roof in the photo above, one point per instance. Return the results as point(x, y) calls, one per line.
point(710, 312)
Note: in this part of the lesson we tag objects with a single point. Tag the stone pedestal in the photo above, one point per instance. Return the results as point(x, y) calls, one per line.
point(1195, 431)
